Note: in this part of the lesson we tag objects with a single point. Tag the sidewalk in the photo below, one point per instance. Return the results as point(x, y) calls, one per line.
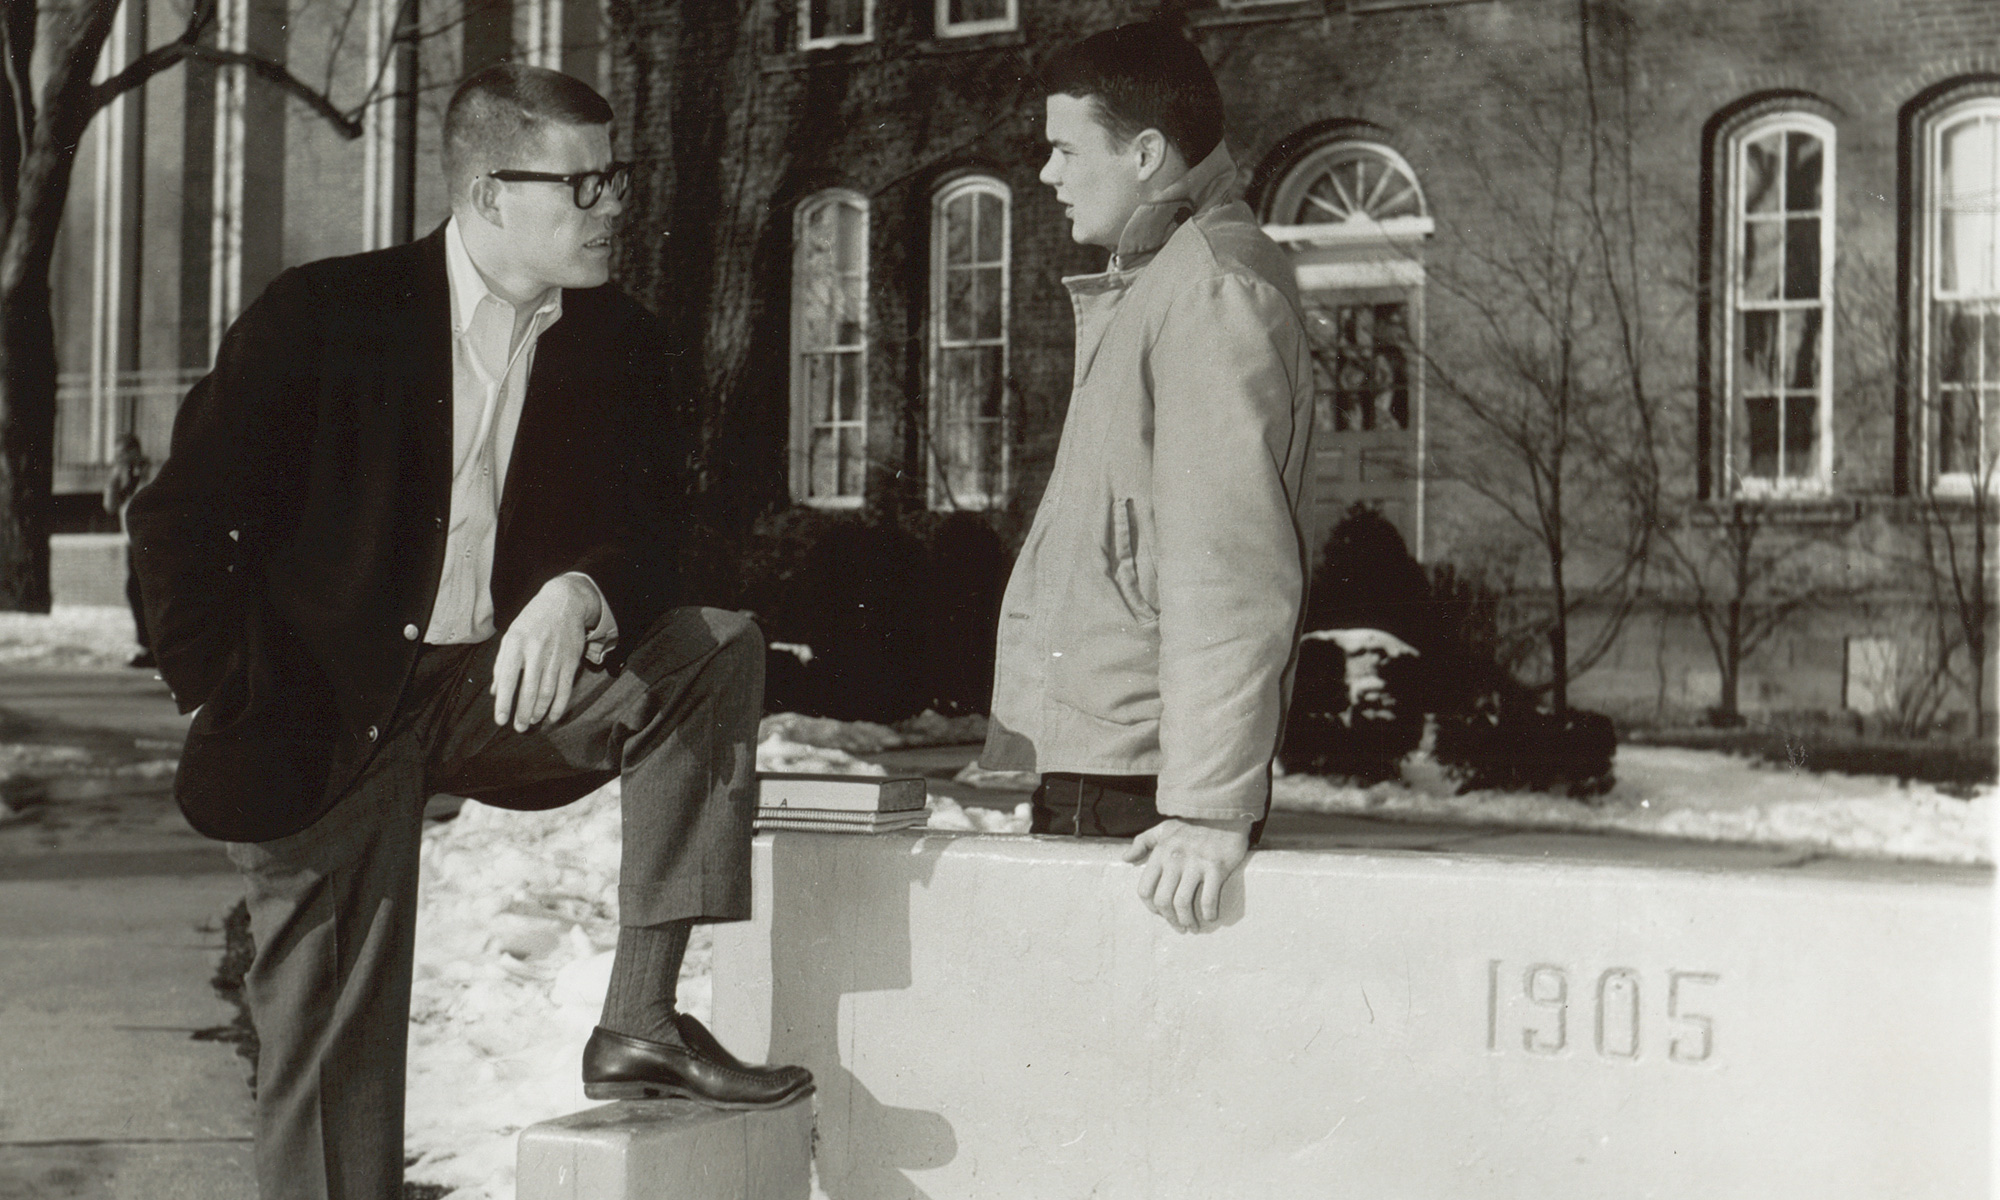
point(111, 914)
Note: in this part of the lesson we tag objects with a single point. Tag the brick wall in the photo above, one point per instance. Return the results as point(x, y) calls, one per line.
point(1467, 92)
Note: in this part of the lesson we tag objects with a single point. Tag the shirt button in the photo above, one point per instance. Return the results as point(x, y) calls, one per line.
point(410, 633)
point(374, 733)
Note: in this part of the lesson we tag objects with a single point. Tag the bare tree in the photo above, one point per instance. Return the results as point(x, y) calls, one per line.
point(1955, 558)
point(1745, 580)
point(39, 136)
point(1555, 320)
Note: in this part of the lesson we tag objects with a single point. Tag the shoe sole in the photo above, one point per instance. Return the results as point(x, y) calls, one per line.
point(660, 1091)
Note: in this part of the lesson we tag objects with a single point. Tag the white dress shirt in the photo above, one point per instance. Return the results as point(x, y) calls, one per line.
point(489, 385)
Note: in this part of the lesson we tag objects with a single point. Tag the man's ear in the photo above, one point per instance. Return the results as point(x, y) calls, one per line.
point(483, 194)
point(1150, 145)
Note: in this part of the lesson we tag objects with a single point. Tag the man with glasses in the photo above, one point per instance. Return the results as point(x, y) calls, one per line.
point(416, 534)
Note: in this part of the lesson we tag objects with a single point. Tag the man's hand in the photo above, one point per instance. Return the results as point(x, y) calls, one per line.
point(539, 653)
point(1187, 862)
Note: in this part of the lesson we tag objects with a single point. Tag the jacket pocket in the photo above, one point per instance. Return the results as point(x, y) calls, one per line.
point(1132, 568)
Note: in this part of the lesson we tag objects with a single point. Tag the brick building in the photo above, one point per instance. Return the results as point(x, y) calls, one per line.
point(1724, 271)
point(1740, 254)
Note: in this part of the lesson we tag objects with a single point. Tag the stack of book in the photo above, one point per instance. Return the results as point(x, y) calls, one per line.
point(840, 803)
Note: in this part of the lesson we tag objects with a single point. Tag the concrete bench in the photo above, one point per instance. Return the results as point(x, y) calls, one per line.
point(1442, 1013)
point(668, 1150)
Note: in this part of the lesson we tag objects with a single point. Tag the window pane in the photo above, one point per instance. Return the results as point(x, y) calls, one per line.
point(1955, 344)
point(818, 388)
point(853, 460)
point(852, 249)
point(839, 18)
point(852, 295)
point(824, 462)
point(1957, 430)
point(1760, 173)
point(957, 305)
point(1801, 435)
point(958, 229)
point(1969, 200)
point(992, 228)
point(963, 11)
point(1757, 352)
point(1802, 172)
point(989, 318)
point(1762, 432)
point(1802, 258)
point(1989, 357)
point(1802, 349)
point(1393, 375)
point(848, 396)
point(1760, 260)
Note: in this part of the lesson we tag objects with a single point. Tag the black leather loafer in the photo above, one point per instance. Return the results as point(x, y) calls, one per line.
point(619, 1067)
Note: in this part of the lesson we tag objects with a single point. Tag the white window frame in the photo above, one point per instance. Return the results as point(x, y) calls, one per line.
point(943, 496)
point(946, 27)
point(802, 423)
point(808, 42)
point(1941, 481)
point(1820, 481)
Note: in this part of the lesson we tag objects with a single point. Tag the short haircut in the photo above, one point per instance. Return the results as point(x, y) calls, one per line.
point(1143, 76)
point(499, 108)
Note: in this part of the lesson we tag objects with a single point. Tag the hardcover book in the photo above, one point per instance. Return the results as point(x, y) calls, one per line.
point(840, 793)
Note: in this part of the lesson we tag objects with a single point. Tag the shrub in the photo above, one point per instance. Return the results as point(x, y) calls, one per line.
point(899, 616)
point(1337, 726)
point(1503, 741)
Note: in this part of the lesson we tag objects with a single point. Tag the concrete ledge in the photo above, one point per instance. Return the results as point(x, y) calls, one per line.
point(668, 1150)
point(996, 1016)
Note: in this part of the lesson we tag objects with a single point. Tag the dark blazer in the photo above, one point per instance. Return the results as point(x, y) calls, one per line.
point(289, 550)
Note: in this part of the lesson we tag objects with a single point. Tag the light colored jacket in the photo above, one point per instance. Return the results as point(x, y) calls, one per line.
point(1152, 619)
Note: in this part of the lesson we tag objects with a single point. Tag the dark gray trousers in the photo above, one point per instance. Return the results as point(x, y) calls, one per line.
point(333, 908)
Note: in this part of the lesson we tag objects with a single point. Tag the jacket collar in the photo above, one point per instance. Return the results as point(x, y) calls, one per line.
point(1214, 181)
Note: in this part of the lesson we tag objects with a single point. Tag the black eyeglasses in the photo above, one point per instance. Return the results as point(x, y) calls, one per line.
point(587, 186)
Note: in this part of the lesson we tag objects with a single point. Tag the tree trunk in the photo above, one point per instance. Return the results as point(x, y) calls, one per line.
point(28, 376)
point(27, 442)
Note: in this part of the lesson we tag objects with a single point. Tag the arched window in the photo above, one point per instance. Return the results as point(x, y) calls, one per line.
point(1960, 321)
point(1778, 300)
point(829, 451)
point(969, 417)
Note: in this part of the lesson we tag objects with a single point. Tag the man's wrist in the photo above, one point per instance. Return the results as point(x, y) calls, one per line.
point(1223, 824)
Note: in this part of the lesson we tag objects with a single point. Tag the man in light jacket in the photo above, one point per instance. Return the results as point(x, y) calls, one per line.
point(1148, 633)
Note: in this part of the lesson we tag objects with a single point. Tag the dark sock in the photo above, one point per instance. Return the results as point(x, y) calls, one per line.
point(644, 972)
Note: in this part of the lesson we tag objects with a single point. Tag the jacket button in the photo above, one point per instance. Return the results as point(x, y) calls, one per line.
point(373, 733)
point(410, 633)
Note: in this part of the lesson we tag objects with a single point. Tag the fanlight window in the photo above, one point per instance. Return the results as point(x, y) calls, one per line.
point(1348, 182)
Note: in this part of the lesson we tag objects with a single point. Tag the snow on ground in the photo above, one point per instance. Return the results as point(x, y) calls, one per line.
point(67, 636)
point(1696, 794)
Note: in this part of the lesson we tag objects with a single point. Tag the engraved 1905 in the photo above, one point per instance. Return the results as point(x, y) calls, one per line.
point(1619, 1014)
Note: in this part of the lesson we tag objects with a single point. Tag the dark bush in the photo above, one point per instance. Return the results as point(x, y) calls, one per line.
point(1332, 731)
point(898, 616)
point(1366, 579)
point(1503, 741)
point(966, 572)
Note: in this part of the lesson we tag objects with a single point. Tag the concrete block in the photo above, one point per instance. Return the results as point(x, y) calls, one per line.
point(668, 1150)
point(998, 1016)
point(87, 568)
